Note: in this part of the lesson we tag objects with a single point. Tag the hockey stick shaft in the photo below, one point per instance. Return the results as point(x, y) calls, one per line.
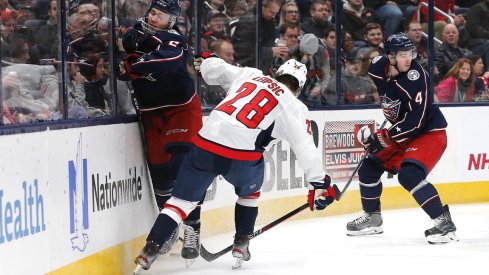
point(338, 197)
point(208, 256)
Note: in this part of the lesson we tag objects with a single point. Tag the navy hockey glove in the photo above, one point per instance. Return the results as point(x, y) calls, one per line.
point(131, 39)
point(321, 194)
point(378, 141)
point(198, 59)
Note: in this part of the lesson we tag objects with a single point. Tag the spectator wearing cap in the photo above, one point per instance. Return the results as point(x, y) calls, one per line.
point(315, 56)
point(356, 88)
point(244, 36)
point(215, 29)
point(318, 21)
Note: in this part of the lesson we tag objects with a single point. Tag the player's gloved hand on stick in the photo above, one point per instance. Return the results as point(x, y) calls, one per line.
point(199, 58)
point(132, 37)
point(379, 141)
point(321, 194)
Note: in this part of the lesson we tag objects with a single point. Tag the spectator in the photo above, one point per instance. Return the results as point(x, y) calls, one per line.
point(458, 86)
point(477, 30)
point(449, 52)
point(330, 43)
point(215, 29)
point(244, 36)
point(355, 18)
point(8, 23)
point(374, 37)
point(97, 92)
point(316, 59)
point(481, 84)
point(289, 37)
point(215, 93)
point(414, 31)
point(289, 14)
point(318, 22)
point(347, 45)
point(356, 88)
point(447, 6)
point(17, 49)
point(388, 12)
point(46, 37)
point(215, 6)
point(239, 9)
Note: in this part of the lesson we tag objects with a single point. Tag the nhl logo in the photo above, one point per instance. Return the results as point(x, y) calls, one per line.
point(413, 75)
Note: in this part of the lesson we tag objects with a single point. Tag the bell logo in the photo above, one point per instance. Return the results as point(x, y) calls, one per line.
point(78, 196)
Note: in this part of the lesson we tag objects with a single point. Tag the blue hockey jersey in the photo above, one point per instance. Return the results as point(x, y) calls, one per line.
point(406, 99)
point(164, 64)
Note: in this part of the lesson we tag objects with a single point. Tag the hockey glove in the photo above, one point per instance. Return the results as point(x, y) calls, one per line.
point(321, 194)
point(378, 141)
point(126, 67)
point(198, 59)
point(131, 39)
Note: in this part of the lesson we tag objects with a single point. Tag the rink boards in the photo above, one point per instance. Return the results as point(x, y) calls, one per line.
point(78, 201)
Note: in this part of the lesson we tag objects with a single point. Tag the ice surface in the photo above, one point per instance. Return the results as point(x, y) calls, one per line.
point(320, 246)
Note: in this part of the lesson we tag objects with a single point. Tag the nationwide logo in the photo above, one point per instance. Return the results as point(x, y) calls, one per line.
point(78, 196)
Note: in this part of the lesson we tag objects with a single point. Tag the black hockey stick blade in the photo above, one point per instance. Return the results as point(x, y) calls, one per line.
point(209, 256)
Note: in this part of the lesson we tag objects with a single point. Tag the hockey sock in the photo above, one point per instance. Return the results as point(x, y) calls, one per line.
point(244, 219)
point(370, 195)
point(162, 229)
point(427, 197)
point(193, 219)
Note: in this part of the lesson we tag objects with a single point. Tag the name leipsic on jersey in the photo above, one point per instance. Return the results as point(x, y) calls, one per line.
point(256, 110)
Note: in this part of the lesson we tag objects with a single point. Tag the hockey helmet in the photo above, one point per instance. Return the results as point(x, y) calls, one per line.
point(398, 42)
point(296, 69)
point(171, 7)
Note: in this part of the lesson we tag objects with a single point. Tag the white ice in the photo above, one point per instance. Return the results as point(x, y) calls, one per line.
point(320, 246)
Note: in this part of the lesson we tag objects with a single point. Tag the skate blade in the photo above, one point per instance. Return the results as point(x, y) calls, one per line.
point(366, 231)
point(450, 237)
point(137, 269)
point(189, 262)
point(237, 262)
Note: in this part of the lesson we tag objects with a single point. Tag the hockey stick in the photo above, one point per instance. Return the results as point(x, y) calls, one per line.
point(208, 256)
point(338, 197)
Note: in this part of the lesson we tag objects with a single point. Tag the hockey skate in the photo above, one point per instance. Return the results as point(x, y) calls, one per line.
point(366, 224)
point(167, 246)
point(147, 256)
point(241, 250)
point(444, 229)
point(191, 244)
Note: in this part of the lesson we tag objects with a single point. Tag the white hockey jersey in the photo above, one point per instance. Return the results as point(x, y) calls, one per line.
point(256, 110)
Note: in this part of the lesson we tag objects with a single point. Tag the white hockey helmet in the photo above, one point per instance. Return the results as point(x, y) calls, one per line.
point(296, 69)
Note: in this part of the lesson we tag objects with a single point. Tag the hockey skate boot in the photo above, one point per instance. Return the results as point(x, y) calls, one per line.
point(167, 246)
point(191, 244)
point(444, 229)
point(366, 224)
point(148, 255)
point(241, 251)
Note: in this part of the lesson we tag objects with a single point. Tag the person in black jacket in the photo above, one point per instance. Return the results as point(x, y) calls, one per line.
point(477, 30)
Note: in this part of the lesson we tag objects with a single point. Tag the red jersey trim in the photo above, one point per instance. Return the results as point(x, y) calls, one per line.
point(225, 151)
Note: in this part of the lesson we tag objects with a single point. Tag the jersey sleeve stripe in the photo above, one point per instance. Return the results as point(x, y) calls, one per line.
point(224, 151)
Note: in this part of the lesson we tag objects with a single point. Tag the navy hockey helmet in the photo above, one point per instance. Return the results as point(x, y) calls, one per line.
point(171, 7)
point(398, 42)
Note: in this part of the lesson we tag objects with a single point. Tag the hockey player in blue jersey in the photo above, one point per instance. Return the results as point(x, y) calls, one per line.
point(256, 110)
point(169, 108)
point(410, 148)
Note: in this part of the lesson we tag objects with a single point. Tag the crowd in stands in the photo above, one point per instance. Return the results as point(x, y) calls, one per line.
point(304, 30)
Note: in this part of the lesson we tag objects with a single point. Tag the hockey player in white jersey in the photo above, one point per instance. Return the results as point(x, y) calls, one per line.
point(256, 110)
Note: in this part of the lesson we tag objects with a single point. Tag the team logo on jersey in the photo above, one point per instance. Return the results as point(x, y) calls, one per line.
point(391, 108)
point(376, 59)
point(413, 75)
